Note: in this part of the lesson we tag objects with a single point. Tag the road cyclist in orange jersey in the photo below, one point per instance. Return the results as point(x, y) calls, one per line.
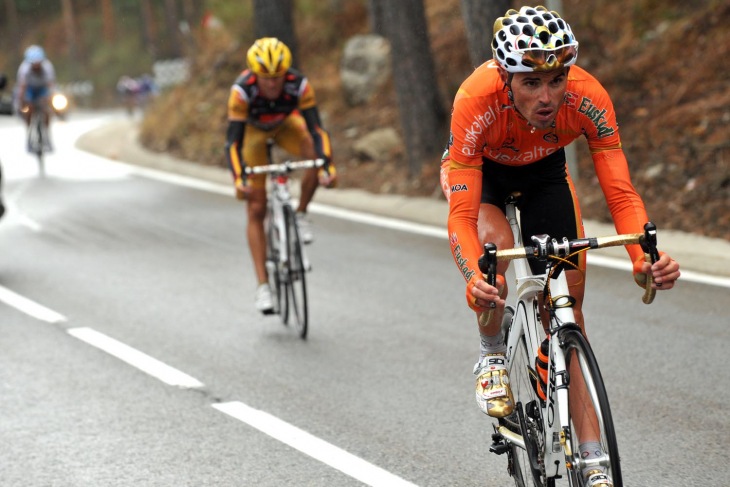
point(511, 119)
point(272, 101)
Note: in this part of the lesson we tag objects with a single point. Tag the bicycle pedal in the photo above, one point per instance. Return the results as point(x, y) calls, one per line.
point(499, 448)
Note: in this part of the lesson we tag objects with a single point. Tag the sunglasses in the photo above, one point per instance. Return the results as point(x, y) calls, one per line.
point(544, 59)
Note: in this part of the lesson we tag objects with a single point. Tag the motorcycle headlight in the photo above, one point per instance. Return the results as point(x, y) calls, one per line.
point(59, 102)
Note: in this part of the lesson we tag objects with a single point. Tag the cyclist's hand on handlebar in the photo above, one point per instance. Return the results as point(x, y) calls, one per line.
point(665, 272)
point(482, 297)
point(327, 176)
point(243, 189)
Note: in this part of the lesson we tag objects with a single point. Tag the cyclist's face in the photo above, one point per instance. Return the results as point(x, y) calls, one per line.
point(270, 87)
point(538, 95)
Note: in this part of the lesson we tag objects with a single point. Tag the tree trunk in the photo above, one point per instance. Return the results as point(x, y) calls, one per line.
point(11, 22)
point(150, 28)
point(107, 15)
point(479, 17)
point(422, 113)
point(274, 18)
point(376, 17)
point(70, 26)
point(172, 24)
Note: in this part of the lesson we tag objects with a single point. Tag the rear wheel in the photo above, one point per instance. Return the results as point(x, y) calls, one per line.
point(583, 368)
point(296, 275)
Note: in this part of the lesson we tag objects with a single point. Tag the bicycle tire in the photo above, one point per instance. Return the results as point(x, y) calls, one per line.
point(525, 464)
point(296, 278)
point(36, 139)
point(273, 266)
point(576, 346)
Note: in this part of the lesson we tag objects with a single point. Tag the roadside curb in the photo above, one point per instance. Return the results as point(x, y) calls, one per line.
point(118, 141)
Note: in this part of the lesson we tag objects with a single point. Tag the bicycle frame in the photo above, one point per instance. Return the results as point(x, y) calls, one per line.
point(280, 198)
point(547, 435)
point(527, 322)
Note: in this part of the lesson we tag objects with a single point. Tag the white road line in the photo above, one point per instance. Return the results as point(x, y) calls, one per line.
point(687, 276)
point(135, 358)
point(389, 222)
point(316, 448)
point(29, 307)
point(379, 221)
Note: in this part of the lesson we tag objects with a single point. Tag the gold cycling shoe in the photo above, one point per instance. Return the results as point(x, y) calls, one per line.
point(493, 393)
point(596, 478)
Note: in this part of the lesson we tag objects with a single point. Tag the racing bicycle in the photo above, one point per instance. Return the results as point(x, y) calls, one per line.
point(286, 260)
point(540, 437)
point(38, 136)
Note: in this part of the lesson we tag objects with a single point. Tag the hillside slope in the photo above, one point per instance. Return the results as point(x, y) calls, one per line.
point(661, 63)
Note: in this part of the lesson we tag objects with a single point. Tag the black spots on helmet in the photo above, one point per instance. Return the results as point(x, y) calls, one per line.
point(514, 30)
point(561, 24)
point(502, 35)
point(553, 27)
point(537, 20)
point(544, 36)
point(522, 44)
point(528, 30)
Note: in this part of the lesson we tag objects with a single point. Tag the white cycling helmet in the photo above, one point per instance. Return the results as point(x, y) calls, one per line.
point(35, 54)
point(533, 39)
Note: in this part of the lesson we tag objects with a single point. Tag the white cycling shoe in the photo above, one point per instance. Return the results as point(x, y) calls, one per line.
point(264, 301)
point(305, 228)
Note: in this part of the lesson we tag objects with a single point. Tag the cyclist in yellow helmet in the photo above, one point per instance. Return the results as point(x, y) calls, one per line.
point(271, 100)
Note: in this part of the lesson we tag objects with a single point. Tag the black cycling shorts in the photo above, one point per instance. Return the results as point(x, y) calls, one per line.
point(546, 203)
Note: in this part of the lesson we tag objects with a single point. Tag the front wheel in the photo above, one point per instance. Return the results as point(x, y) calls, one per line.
point(36, 139)
point(273, 265)
point(589, 411)
point(297, 282)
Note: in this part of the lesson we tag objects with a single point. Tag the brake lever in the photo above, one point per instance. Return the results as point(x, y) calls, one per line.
point(488, 263)
point(648, 243)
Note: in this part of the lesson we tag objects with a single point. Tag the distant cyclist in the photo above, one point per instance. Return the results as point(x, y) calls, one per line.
point(511, 119)
point(36, 83)
point(270, 100)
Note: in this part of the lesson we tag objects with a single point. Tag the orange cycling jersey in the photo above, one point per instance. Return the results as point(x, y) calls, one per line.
point(485, 124)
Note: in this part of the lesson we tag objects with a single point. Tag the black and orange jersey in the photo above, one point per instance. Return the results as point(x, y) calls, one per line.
point(484, 124)
point(245, 104)
point(253, 119)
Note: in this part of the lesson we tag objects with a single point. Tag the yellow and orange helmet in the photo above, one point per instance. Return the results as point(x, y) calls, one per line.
point(268, 57)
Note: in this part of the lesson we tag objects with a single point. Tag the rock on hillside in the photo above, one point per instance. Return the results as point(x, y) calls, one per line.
point(662, 62)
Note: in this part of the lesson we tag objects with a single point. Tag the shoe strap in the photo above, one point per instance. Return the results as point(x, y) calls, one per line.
point(491, 362)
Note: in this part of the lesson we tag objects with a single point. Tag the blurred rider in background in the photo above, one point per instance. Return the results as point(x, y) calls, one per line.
point(35, 85)
point(270, 100)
